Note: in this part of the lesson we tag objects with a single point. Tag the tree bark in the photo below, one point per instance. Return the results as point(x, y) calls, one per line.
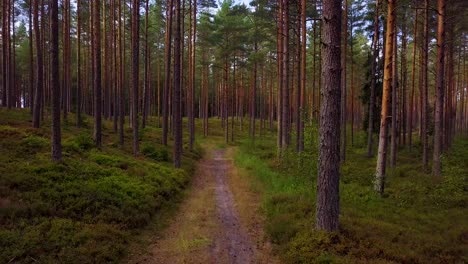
point(121, 78)
point(375, 54)
point(413, 82)
point(31, 59)
point(147, 89)
point(285, 72)
point(167, 70)
point(176, 105)
point(135, 71)
point(55, 82)
point(439, 96)
point(394, 127)
point(97, 73)
point(78, 64)
point(343, 81)
point(191, 95)
point(424, 103)
point(303, 78)
point(387, 89)
point(328, 198)
point(39, 69)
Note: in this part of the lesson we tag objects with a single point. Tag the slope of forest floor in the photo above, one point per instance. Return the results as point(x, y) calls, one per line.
point(88, 208)
point(420, 219)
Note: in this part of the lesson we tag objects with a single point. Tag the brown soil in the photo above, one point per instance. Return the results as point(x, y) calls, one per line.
point(219, 221)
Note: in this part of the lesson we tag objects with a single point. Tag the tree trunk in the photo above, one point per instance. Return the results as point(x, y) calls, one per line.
point(301, 89)
point(439, 96)
point(135, 71)
point(328, 199)
point(343, 81)
point(39, 69)
point(285, 87)
point(387, 89)
point(66, 58)
point(394, 131)
point(54, 42)
point(31, 58)
point(404, 81)
point(191, 95)
point(280, 78)
point(167, 70)
point(176, 99)
point(424, 103)
point(413, 82)
point(147, 89)
point(6, 51)
point(78, 64)
point(121, 78)
point(97, 72)
point(375, 54)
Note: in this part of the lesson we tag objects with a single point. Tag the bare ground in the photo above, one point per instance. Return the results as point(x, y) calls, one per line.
point(218, 222)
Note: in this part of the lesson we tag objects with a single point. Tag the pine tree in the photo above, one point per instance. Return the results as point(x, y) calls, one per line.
point(55, 82)
point(328, 201)
point(387, 89)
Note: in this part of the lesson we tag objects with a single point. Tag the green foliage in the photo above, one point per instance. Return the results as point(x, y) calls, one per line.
point(150, 151)
point(81, 142)
point(83, 210)
point(34, 143)
point(420, 220)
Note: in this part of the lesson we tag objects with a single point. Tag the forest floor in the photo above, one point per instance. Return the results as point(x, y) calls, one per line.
point(218, 222)
point(105, 206)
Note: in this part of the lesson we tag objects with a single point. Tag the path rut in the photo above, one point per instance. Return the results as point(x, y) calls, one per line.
point(208, 227)
point(233, 240)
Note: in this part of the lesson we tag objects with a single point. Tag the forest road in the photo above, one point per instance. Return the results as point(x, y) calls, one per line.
point(218, 222)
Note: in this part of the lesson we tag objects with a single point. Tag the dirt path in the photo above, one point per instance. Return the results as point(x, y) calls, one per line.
point(219, 222)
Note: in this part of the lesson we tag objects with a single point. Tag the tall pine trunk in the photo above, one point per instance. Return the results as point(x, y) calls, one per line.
point(55, 82)
point(375, 54)
point(328, 199)
point(135, 71)
point(176, 96)
point(413, 82)
point(343, 80)
point(439, 96)
point(387, 89)
point(424, 87)
point(167, 70)
point(97, 72)
point(38, 90)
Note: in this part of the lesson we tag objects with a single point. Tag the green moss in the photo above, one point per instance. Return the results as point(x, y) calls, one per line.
point(78, 143)
point(161, 154)
point(32, 143)
point(83, 209)
point(420, 219)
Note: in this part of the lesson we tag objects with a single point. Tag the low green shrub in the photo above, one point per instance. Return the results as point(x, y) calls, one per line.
point(33, 144)
point(79, 143)
point(84, 209)
point(150, 151)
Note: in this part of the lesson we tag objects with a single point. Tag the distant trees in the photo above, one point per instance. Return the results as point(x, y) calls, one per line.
point(236, 65)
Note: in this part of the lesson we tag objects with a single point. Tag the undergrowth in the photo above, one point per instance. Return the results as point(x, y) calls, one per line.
point(87, 208)
point(419, 220)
